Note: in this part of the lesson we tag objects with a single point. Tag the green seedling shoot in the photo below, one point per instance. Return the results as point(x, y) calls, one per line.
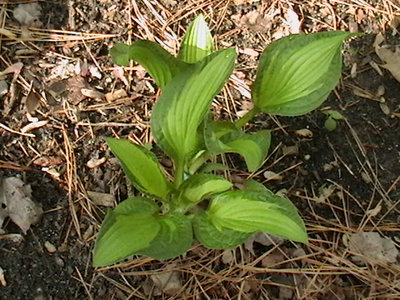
point(295, 75)
point(331, 117)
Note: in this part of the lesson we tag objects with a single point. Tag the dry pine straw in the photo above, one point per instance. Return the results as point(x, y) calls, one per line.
point(325, 263)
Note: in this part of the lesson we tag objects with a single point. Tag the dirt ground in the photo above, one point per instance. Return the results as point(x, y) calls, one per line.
point(67, 95)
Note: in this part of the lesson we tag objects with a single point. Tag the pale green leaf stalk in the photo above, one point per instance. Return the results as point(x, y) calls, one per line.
point(197, 42)
point(294, 76)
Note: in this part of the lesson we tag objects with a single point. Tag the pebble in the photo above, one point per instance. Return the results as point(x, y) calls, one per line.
point(3, 281)
point(50, 247)
point(59, 261)
point(304, 132)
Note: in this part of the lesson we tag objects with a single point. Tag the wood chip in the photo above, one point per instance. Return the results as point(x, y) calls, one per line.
point(32, 102)
point(91, 93)
point(95, 162)
point(290, 150)
point(102, 199)
point(118, 94)
point(272, 176)
point(32, 126)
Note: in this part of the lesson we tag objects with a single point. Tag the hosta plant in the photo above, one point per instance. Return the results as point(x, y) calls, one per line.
point(295, 75)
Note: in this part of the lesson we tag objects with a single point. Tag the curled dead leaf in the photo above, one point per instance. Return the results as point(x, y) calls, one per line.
point(16, 203)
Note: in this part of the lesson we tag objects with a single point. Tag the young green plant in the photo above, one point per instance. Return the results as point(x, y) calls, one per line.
point(295, 75)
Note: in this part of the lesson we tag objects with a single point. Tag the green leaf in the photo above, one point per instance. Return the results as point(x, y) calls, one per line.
point(122, 235)
point(136, 205)
point(185, 102)
point(174, 238)
point(161, 65)
point(199, 186)
point(212, 167)
point(330, 124)
point(253, 147)
point(197, 42)
point(213, 238)
point(297, 73)
point(141, 167)
point(224, 137)
point(129, 227)
point(254, 211)
point(255, 186)
point(333, 114)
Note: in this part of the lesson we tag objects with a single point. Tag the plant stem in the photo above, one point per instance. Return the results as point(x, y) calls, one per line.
point(179, 172)
point(247, 117)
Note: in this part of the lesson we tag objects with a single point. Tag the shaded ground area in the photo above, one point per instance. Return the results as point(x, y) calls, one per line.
point(343, 181)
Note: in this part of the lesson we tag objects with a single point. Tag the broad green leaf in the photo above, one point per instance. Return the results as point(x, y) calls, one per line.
point(255, 211)
point(213, 238)
point(136, 205)
point(141, 167)
point(174, 238)
point(255, 186)
point(297, 73)
point(253, 147)
point(213, 131)
point(122, 236)
point(161, 65)
point(197, 42)
point(223, 137)
point(212, 167)
point(199, 186)
point(185, 102)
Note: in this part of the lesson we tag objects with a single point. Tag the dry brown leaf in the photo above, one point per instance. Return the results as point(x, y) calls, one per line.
point(391, 58)
point(28, 14)
point(228, 257)
point(32, 102)
point(14, 68)
point(16, 203)
point(373, 247)
point(292, 21)
point(169, 281)
point(262, 238)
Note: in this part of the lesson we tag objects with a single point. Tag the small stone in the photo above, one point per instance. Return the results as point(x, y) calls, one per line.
point(50, 247)
point(3, 281)
point(59, 261)
point(304, 133)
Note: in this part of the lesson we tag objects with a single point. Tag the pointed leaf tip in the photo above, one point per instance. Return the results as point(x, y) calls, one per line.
point(141, 167)
point(197, 42)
